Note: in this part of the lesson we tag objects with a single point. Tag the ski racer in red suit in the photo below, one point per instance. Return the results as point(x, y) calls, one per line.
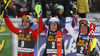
point(26, 36)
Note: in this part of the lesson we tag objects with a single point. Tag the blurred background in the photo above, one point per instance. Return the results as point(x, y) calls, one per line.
point(23, 7)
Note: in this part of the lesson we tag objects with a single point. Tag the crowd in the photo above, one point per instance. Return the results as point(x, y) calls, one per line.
point(18, 8)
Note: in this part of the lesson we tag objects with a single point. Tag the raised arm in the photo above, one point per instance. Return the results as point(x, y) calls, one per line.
point(41, 27)
point(74, 21)
point(46, 26)
point(11, 26)
point(69, 28)
point(46, 29)
point(46, 22)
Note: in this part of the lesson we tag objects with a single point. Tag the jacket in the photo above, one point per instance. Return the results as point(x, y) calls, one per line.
point(82, 6)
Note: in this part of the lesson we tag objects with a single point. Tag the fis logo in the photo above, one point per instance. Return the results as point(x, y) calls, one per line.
point(59, 39)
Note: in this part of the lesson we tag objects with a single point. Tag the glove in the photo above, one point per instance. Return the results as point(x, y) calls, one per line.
point(68, 20)
point(5, 13)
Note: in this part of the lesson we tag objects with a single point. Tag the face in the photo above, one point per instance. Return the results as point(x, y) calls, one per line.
point(56, 4)
point(26, 24)
point(84, 29)
point(47, 6)
point(60, 12)
point(53, 27)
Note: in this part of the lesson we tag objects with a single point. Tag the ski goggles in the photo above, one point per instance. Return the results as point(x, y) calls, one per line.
point(52, 22)
point(25, 18)
point(83, 22)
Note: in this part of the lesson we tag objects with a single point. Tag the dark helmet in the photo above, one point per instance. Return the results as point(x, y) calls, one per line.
point(84, 22)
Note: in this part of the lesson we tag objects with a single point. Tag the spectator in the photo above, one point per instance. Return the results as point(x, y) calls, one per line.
point(23, 11)
point(1, 5)
point(82, 7)
point(66, 4)
point(56, 4)
point(24, 7)
point(12, 10)
point(47, 10)
point(47, 7)
point(96, 6)
point(61, 18)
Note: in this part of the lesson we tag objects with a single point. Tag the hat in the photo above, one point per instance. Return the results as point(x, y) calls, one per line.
point(60, 7)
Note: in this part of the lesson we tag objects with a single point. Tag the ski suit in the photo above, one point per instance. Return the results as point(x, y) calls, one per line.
point(26, 37)
point(48, 44)
point(81, 40)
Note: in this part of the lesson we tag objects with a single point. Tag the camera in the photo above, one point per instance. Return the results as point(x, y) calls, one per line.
point(54, 11)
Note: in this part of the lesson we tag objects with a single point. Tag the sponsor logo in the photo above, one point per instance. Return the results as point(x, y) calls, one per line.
point(81, 43)
point(2, 29)
point(59, 39)
point(97, 29)
point(51, 38)
point(71, 46)
point(23, 37)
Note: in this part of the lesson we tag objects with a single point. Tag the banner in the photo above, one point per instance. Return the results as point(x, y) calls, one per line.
point(5, 41)
point(92, 15)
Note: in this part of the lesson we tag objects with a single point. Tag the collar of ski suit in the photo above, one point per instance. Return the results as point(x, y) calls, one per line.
point(27, 30)
point(85, 36)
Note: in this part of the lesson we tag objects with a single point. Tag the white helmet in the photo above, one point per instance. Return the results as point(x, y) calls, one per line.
point(54, 20)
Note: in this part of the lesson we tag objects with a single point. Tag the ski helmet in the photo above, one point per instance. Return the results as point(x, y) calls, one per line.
point(84, 22)
point(27, 18)
point(54, 20)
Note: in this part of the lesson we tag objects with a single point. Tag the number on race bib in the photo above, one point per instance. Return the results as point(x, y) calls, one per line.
point(82, 48)
point(53, 45)
point(22, 43)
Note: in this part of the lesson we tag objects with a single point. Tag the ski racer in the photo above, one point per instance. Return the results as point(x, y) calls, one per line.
point(51, 33)
point(82, 37)
point(26, 36)
point(51, 42)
